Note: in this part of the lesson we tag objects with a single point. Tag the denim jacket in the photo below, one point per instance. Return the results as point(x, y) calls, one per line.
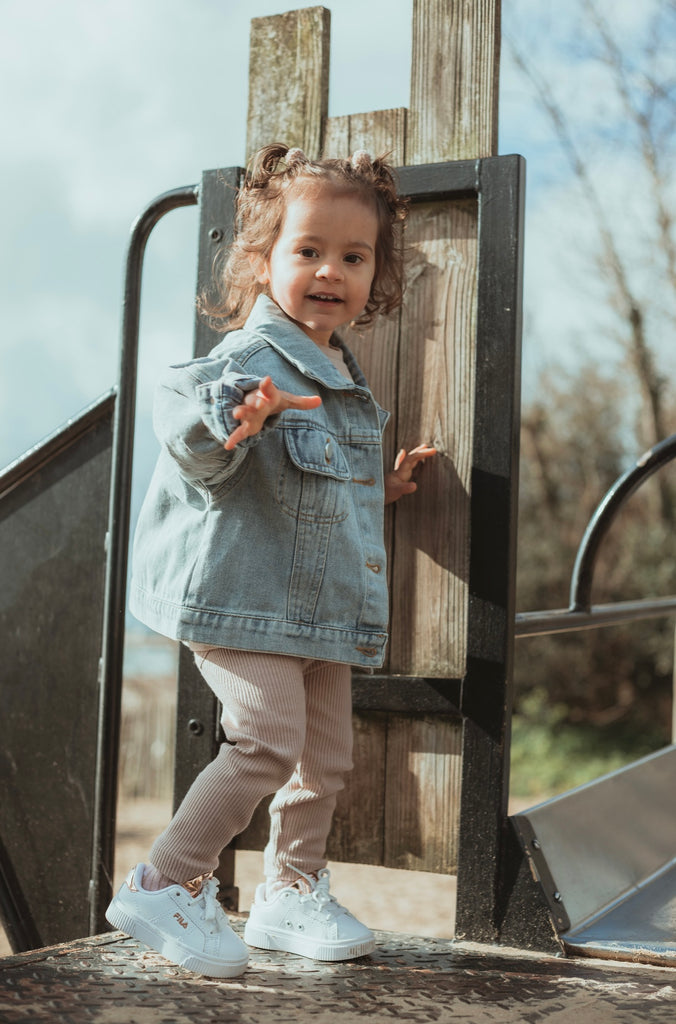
point(277, 545)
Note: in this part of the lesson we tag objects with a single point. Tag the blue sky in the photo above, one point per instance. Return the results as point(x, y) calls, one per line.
point(107, 103)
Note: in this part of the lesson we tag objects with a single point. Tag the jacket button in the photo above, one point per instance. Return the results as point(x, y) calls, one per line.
point(373, 566)
point(328, 451)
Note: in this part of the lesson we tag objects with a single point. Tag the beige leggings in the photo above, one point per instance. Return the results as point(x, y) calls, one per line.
point(288, 726)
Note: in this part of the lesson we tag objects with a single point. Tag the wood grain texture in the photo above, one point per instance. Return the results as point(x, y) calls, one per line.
point(358, 830)
point(436, 405)
point(454, 80)
point(289, 80)
point(424, 764)
point(379, 133)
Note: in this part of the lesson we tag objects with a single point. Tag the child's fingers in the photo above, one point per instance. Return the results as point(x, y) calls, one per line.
point(299, 400)
point(305, 401)
point(268, 395)
point(406, 462)
point(423, 451)
point(419, 454)
point(409, 460)
point(265, 393)
point(261, 403)
point(237, 435)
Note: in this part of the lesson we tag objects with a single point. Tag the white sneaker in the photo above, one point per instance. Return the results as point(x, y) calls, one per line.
point(191, 931)
point(311, 923)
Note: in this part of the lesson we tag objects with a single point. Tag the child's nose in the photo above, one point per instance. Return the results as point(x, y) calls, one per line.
point(330, 270)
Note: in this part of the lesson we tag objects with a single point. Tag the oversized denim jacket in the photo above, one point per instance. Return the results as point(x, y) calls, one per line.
point(277, 545)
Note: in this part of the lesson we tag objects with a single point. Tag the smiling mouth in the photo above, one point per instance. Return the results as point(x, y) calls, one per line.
point(322, 298)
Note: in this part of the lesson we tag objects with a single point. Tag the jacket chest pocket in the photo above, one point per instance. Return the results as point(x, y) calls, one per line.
point(313, 482)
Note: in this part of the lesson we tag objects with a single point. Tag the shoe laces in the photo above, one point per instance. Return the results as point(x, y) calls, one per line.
point(319, 890)
point(208, 900)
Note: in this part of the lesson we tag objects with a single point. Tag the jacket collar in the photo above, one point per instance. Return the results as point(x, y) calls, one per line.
point(282, 334)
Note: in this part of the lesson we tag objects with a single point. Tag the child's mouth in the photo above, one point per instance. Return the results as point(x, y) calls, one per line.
point(329, 299)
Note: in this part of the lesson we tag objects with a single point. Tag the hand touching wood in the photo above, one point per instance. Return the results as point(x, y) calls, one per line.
point(399, 481)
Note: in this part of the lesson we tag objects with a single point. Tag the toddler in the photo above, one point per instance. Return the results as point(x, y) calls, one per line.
point(260, 546)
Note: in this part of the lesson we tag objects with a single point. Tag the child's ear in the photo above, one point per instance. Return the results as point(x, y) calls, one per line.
point(259, 265)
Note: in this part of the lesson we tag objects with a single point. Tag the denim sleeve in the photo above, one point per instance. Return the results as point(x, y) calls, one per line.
point(193, 418)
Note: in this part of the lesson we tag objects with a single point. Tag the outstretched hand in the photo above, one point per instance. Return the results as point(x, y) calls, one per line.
point(266, 400)
point(399, 482)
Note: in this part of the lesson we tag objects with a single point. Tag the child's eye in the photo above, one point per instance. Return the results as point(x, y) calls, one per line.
point(354, 257)
point(308, 252)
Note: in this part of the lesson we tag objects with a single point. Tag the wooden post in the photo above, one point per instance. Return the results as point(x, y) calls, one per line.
point(453, 116)
point(454, 80)
point(289, 80)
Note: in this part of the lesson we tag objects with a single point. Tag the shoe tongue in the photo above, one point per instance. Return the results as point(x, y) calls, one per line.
point(195, 885)
point(302, 885)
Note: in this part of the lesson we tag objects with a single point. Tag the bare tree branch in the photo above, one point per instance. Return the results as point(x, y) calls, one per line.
point(643, 122)
point(611, 263)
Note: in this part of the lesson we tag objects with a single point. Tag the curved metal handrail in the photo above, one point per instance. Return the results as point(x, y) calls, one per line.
point(581, 614)
point(110, 689)
point(583, 570)
point(567, 620)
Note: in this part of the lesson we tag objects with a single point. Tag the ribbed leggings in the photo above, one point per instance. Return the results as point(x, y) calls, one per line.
point(288, 728)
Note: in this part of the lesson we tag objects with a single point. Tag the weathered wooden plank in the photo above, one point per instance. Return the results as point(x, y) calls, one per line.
point(289, 80)
point(380, 133)
point(436, 405)
point(454, 80)
point(358, 828)
point(424, 758)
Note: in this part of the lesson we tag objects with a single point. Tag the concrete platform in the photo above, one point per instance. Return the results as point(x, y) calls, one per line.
point(111, 979)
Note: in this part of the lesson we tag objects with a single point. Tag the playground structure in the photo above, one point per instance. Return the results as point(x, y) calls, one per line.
point(429, 790)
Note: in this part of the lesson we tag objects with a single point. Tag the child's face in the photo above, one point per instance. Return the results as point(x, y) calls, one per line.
point(322, 265)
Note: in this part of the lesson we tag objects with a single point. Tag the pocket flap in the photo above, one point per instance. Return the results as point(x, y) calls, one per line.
point(316, 451)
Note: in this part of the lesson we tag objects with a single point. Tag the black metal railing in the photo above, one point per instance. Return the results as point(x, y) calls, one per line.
point(581, 614)
point(112, 653)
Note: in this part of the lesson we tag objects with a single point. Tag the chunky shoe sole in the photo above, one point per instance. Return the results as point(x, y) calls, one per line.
point(171, 949)
point(287, 942)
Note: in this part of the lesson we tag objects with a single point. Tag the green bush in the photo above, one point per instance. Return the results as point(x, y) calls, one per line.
point(550, 756)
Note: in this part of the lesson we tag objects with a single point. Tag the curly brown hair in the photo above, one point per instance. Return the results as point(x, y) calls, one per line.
point(277, 172)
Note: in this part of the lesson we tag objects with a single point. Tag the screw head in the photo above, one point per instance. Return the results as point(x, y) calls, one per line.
point(216, 234)
point(195, 727)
